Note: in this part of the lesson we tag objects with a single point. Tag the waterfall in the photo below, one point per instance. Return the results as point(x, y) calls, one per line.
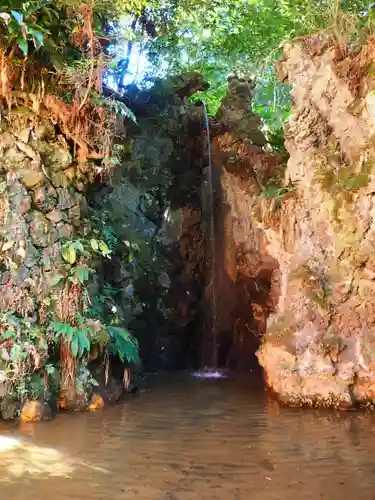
point(212, 285)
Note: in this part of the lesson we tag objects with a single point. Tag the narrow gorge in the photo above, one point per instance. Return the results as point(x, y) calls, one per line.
point(245, 257)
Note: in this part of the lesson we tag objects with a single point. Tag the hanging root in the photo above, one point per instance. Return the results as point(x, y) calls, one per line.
point(68, 371)
point(126, 379)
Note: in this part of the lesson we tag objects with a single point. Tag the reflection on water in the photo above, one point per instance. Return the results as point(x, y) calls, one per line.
point(192, 439)
point(25, 459)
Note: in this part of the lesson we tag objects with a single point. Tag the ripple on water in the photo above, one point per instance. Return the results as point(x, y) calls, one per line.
point(193, 439)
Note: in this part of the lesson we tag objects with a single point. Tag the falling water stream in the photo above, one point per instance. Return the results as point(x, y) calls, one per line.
point(212, 242)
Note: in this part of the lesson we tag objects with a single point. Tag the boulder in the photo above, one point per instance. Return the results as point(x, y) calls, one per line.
point(55, 156)
point(35, 411)
point(327, 267)
point(56, 216)
point(97, 403)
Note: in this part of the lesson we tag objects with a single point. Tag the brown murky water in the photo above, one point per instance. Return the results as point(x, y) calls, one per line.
point(191, 439)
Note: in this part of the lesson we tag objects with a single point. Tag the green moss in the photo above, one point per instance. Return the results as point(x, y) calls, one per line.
point(316, 286)
point(273, 192)
point(341, 183)
point(320, 297)
point(344, 179)
point(325, 176)
point(302, 272)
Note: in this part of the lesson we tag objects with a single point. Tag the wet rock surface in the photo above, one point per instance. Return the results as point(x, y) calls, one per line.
point(156, 193)
point(246, 275)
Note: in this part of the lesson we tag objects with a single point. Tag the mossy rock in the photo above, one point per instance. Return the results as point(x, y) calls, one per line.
point(55, 157)
point(45, 198)
point(31, 178)
point(9, 408)
point(32, 255)
point(67, 198)
point(59, 179)
point(42, 231)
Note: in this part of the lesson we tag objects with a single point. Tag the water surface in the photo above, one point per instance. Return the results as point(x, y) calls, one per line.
point(189, 439)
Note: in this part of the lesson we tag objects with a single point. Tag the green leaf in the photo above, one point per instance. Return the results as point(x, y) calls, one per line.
point(69, 332)
point(56, 279)
point(84, 341)
point(94, 245)
point(81, 274)
point(23, 45)
point(57, 61)
point(49, 369)
point(38, 37)
point(16, 353)
point(18, 16)
point(74, 347)
point(94, 382)
point(60, 329)
point(68, 253)
point(103, 248)
point(8, 334)
point(124, 344)
point(78, 246)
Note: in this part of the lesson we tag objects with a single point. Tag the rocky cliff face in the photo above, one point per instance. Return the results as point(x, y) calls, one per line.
point(320, 342)
point(300, 261)
point(247, 274)
point(41, 204)
point(153, 200)
point(56, 214)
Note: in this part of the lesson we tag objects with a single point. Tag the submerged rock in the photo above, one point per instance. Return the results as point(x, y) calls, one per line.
point(35, 411)
point(97, 403)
